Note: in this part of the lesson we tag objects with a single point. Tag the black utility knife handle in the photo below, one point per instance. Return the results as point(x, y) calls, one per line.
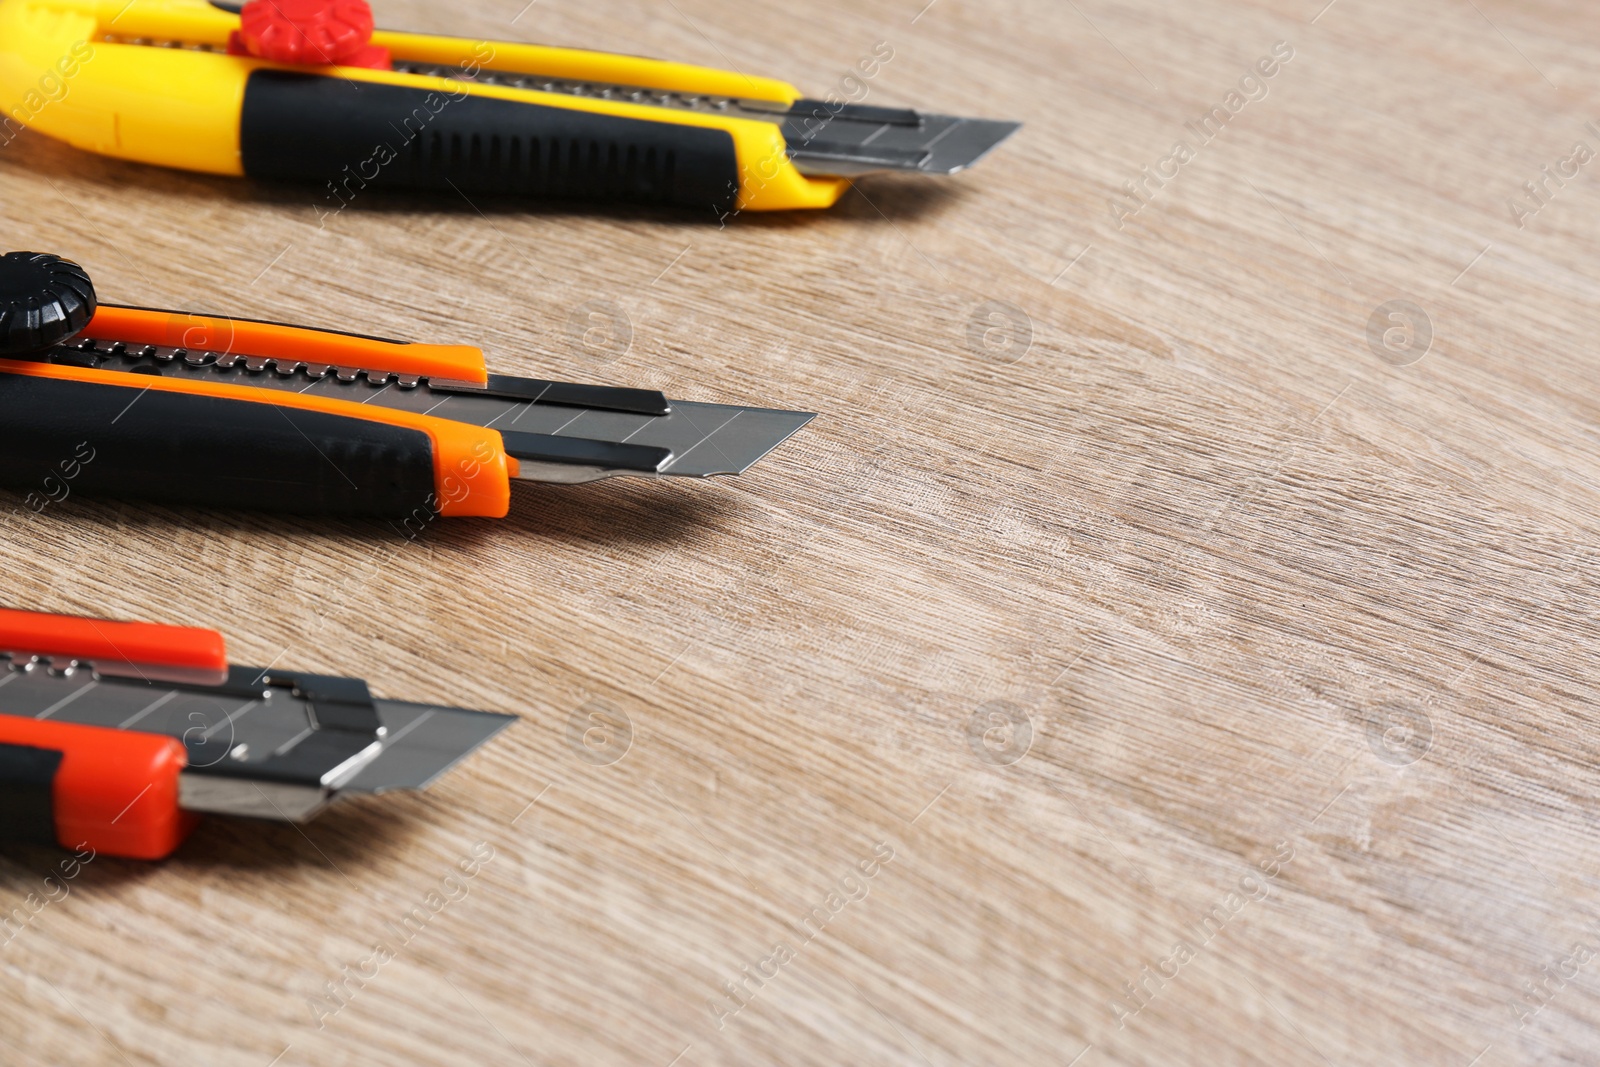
point(346, 135)
point(61, 437)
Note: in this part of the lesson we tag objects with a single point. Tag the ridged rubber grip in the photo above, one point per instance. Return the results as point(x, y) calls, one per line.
point(328, 130)
point(62, 437)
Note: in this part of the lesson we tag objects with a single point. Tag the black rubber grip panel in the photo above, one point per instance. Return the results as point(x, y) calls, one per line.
point(61, 438)
point(27, 793)
point(348, 135)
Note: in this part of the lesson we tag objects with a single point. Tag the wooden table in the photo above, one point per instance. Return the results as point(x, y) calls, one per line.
point(1166, 648)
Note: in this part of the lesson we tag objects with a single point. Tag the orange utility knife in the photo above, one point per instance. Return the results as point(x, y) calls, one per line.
point(220, 412)
point(117, 736)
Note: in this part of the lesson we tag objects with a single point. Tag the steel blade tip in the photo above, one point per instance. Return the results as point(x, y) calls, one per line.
point(969, 144)
point(422, 742)
point(717, 439)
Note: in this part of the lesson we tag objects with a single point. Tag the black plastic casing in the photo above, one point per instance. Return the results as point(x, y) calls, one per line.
point(62, 437)
point(27, 793)
point(350, 135)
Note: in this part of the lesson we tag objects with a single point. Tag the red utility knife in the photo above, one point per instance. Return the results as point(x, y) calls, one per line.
point(116, 736)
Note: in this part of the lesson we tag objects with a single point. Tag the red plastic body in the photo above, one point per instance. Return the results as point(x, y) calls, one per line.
point(116, 791)
point(309, 33)
point(171, 653)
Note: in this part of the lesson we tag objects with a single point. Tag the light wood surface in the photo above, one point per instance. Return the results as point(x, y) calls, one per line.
point(1298, 641)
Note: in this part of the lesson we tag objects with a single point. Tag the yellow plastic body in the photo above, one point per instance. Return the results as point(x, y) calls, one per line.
point(66, 71)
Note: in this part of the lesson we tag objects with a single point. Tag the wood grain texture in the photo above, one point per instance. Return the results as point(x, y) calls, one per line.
point(1300, 641)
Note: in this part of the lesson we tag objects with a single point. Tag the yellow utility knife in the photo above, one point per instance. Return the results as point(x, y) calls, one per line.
point(307, 90)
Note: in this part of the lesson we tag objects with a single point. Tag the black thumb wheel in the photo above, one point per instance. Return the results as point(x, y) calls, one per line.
point(44, 300)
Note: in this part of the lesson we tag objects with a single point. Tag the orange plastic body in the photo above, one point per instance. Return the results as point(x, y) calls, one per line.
point(115, 792)
point(172, 652)
point(472, 473)
point(215, 333)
